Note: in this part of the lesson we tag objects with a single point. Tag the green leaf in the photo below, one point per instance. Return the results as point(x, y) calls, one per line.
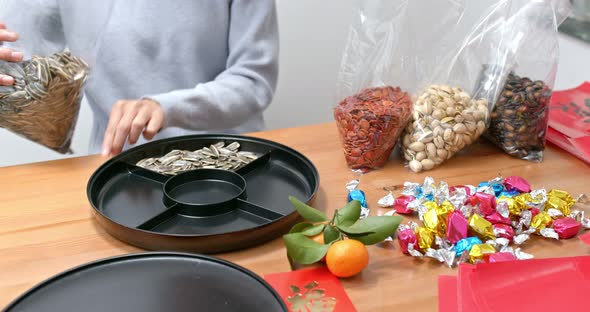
point(308, 213)
point(349, 230)
point(300, 227)
point(381, 226)
point(349, 214)
point(331, 234)
point(314, 230)
point(303, 249)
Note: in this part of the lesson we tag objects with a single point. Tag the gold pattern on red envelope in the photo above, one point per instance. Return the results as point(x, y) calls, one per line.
point(310, 299)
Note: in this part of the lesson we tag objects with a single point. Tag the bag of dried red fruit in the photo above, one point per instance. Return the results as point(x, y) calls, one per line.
point(373, 107)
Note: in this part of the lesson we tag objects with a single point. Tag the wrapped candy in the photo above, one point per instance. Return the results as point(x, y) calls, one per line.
point(425, 238)
point(355, 194)
point(496, 218)
point(541, 221)
point(486, 202)
point(515, 183)
point(503, 230)
point(401, 204)
point(501, 257)
point(559, 200)
point(485, 223)
point(457, 227)
point(566, 227)
point(480, 252)
point(466, 244)
point(386, 201)
point(481, 227)
point(405, 237)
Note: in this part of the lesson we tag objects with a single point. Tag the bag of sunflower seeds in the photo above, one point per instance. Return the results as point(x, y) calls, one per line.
point(44, 102)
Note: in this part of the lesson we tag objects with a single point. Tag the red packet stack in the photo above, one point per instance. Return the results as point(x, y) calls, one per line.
point(555, 284)
point(311, 290)
point(569, 121)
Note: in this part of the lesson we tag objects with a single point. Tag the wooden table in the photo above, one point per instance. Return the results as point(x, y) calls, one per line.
point(46, 225)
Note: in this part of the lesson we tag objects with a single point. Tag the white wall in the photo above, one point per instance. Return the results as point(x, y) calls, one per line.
point(313, 34)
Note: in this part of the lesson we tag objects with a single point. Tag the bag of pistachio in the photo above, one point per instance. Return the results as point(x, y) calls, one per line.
point(44, 102)
point(460, 61)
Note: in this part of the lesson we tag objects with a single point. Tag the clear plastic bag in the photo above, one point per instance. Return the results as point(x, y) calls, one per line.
point(453, 56)
point(44, 102)
point(373, 107)
point(520, 116)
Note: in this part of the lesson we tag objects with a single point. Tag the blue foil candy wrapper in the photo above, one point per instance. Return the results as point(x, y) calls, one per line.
point(357, 195)
point(466, 244)
point(508, 193)
point(498, 189)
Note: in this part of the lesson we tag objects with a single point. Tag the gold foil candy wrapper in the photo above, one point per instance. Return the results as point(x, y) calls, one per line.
point(425, 238)
point(481, 227)
point(559, 200)
point(541, 221)
point(479, 251)
point(431, 221)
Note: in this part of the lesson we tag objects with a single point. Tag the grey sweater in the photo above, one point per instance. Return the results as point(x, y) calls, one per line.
point(211, 64)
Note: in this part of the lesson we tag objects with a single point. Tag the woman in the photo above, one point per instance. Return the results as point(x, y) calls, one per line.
point(159, 69)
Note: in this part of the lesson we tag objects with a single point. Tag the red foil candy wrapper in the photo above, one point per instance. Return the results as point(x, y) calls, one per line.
point(501, 257)
point(534, 212)
point(453, 189)
point(401, 204)
point(406, 237)
point(496, 218)
point(486, 202)
point(516, 183)
point(457, 227)
point(566, 227)
point(503, 230)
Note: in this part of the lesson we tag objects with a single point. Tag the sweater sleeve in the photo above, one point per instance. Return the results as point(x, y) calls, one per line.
point(38, 24)
point(246, 86)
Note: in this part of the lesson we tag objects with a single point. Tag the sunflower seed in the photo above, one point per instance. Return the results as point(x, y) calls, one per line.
point(215, 156)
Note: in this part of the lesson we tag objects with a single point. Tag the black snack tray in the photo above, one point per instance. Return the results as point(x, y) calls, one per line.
point(203, 210)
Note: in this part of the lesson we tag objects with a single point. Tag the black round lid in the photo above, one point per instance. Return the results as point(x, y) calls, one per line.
point(152, 281)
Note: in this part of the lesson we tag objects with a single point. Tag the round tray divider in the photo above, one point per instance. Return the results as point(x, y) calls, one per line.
point(259, 211)
point(159, 218)
point(146, 173)
point(257, 163)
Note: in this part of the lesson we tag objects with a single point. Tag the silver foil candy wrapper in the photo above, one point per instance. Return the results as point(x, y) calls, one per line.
point(442, 192)
point(549, 233)
point(521, 255)
point(521, 238)
point(502, 208)
point(352, 185)
point(411, 189)
point(365, 212)
point(582, 199)
point(386, 201)
point(499, 243)
point(554, 213)
point(446, 256)
point(413, 252)
point(539, 198)
point(428, 187)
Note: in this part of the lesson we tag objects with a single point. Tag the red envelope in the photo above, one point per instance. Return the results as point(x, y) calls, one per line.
point(529, 285)
point(309, 289)
point(585, 238)
point(447, 293)
point(569, 120)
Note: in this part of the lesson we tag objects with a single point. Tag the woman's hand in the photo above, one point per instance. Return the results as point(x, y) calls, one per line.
point(128, 119)
point(7, 54)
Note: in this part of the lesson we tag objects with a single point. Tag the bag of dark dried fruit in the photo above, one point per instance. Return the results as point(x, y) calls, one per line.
point(518, 123)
